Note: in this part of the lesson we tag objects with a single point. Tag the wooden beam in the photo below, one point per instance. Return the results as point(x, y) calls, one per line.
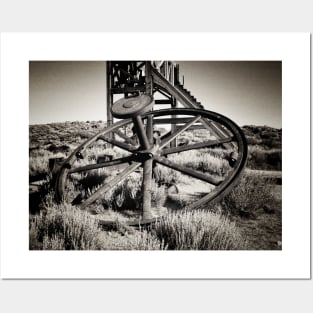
point(173, 126)
point(119, 144)
point(109, 94)
point(129, 75)
point(179, 131)
point(140, 65)
point(185, 170)
point(146, 142)
point(163, 101)
point(200, 145)
point(128, 89)
point(163, 92)
point(198, 126)
point(110, 184)
point(181, 120)
point(90, 167)
point(109, 98)
point(127, 139)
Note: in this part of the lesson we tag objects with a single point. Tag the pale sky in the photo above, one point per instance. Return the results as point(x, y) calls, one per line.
point(247, 92)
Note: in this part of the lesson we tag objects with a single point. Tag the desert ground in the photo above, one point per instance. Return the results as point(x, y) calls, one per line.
point(248, 218)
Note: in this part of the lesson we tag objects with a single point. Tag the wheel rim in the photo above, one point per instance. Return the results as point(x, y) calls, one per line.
point(158, 152)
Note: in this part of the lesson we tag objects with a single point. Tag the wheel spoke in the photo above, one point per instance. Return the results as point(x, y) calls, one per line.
point(217, 131)
point(110, 184)
point(167, 140)
point(165, 135)
point(209, 179)
point(205, 144)
point(90, 167)
point(119, 144)
point(127, 139)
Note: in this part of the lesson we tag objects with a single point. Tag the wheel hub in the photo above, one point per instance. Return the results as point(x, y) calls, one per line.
point(143, 155)
point(133, 106)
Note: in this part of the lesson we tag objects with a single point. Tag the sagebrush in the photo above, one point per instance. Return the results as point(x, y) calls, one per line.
point(199, 230)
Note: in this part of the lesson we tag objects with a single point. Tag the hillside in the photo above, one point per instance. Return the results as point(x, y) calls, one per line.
point(265, 143)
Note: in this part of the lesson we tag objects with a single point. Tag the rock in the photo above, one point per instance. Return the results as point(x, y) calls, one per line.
point(56, 149)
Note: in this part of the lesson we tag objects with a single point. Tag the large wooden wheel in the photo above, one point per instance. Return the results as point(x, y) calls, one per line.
point(145, 140)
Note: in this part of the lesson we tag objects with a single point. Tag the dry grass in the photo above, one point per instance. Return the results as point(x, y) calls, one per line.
point(264, 159)
point(64, 227)
point(135, 240)
point(199, 230)
point(252, 193)
point(202, 160)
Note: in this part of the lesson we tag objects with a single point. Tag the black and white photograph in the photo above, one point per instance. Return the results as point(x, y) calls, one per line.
point(158, 162)
point(155, 155)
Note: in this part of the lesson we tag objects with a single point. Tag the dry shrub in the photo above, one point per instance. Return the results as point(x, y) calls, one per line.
point(262, 159)
point(124, 196)
point(168, 176)
point(158, 195)
point(251, 194)
point(63, 227)
point(53, 243)
point(127, 195)
point(137, 240)
point(198, 230)
point(93, 179)
point(39, 161)
point(202, 160)
point(38, 166)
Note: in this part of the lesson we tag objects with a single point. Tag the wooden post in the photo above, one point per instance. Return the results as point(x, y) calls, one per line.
point(141, 132)
point(150, 129)
point(109, 97)
point(173, 144)
point(176, 75)
point(148, 78)
point(147, 167)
